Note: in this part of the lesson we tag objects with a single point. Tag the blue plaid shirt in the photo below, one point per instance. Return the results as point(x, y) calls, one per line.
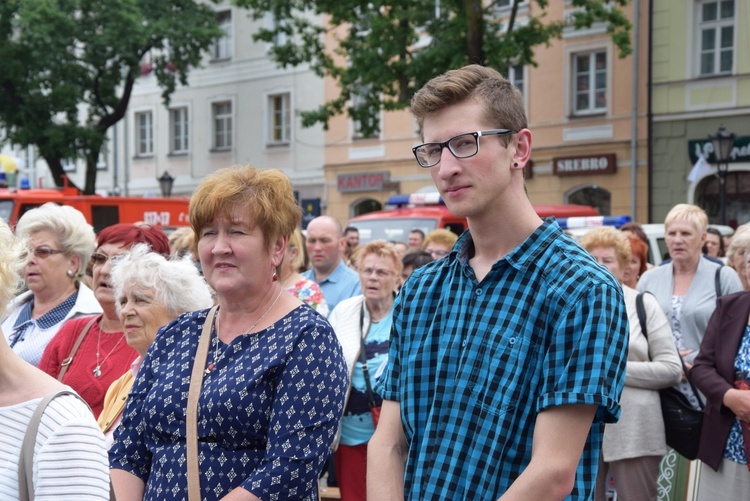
point(472, 364)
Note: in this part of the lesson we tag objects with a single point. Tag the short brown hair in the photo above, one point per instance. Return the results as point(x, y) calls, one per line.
point(502, 102)
point(267, 195)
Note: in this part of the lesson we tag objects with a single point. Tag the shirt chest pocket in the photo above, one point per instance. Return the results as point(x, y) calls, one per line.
point(501, 371)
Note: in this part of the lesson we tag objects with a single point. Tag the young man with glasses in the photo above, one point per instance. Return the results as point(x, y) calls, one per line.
point(507, 356)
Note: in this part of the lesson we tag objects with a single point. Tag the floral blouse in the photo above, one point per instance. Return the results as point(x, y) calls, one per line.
point(309, 293)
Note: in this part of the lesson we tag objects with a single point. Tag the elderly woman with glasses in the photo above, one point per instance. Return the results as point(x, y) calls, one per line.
point(363, 325)
point(59, 242)
point(150, 292)
point(90, 353)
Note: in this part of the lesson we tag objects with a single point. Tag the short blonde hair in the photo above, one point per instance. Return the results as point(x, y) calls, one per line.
point(182, 241)
point(608, 237)
point(74, 234)
point(441, 236)
point(379, 248)
point(296, 241)
point(691, 214)
point(266, 195)
point(11, 265)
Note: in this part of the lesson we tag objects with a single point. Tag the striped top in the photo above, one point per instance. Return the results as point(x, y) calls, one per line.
point(70, 458)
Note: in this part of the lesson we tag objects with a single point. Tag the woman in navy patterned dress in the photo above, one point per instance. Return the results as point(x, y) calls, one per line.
point(275, 379)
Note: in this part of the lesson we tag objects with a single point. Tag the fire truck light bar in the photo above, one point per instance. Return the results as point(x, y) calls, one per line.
point(592, 221)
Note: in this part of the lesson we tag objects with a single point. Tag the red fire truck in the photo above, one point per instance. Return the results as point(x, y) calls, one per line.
point(99, 211)
point(426, 211)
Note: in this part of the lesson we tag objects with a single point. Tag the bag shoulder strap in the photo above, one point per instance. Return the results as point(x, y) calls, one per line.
point(66, 363)
point(717, 281)
point(191, 418)
point(26, 458)
point(641, 310)
point(363, 356)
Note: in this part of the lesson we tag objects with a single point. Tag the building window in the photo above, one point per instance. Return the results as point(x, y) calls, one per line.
point(590, 82)
point(716, 27)
point(222, 48)
point(222, 120)
point(144, 133)
point(592, 195)
point(515, 76)
point(178, 130)
point(280, 128)
point(280, 38)
point(365, 206)
point(358, 100)
point(101, 160)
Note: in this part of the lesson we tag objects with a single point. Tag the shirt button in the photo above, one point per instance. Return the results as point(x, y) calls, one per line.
point(464, 343)
point(512, 341)
point(479, 292)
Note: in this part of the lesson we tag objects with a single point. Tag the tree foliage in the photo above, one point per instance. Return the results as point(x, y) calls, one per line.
point(69, 67)
point(392, 47)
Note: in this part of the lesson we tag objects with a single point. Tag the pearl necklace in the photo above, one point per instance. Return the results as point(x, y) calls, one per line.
point(216, 357)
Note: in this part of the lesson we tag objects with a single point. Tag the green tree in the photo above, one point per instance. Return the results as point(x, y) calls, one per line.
point(392, 47)
point(68, 67)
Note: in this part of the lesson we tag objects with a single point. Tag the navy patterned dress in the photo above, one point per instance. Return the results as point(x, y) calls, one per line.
point(267, 414)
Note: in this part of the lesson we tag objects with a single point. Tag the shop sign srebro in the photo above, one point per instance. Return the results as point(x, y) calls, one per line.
point(584, 165)
point(740, 150)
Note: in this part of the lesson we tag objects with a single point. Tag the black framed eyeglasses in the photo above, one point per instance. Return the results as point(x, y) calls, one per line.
point(461, 146)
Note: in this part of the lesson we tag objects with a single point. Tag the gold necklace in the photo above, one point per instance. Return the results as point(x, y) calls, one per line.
point(216, 357)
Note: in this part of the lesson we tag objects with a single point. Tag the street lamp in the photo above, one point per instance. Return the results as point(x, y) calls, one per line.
point(723, 141)
point(165, 183)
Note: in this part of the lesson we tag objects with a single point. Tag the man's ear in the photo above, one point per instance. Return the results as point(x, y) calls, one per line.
point(522, 151)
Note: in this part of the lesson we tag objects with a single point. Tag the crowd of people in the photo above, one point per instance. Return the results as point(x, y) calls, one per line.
point(240, 359)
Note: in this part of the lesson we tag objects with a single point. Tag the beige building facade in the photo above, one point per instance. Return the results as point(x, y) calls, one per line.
point(590, 139)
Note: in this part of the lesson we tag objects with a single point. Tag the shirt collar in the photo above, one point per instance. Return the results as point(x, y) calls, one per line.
point(524, 253)
point(337, 273)
point(49, 319)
